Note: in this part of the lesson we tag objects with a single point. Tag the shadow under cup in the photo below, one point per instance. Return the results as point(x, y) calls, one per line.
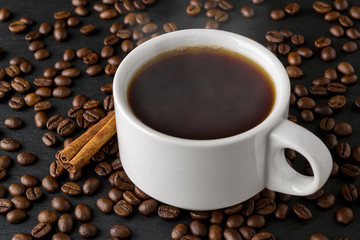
point(197, 174)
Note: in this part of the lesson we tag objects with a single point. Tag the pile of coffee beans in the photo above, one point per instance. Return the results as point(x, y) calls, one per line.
point(321, 101)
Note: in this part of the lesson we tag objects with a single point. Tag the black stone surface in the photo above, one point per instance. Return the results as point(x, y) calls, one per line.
point(307, 22)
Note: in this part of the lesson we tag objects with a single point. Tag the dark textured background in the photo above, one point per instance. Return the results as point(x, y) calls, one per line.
point(308, 23)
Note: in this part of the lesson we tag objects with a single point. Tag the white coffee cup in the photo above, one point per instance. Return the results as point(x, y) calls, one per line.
point(212, 174)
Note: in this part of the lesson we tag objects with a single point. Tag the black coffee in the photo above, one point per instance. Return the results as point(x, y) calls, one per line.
point(201, 93)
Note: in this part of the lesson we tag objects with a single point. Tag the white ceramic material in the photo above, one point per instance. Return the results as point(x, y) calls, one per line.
point(212, 174)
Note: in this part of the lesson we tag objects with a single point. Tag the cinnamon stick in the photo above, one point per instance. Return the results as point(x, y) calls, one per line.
point(72, 149)
point(90, 148)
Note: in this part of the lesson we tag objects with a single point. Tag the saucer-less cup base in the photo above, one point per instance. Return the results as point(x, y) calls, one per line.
point(212, 174)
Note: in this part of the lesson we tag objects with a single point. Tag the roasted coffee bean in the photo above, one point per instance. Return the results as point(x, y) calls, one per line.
point(41, 230)
point(326, 201)
point(60, 236)
point(265, 206)
point(283, 48)
point(349, 79)
point(61, 204)
point(21, 236)
point(71, 72)
point(79, 100)
point(301, 211)
point(352, 33)
point(45, 28)
point(5, 163)
point(131, 198)
point(81, 11)
point(49, 139)
point(321, 81)
point(274, 36)
point(344, 215)
point(337, 30)
point(115, 195)
point(336, 87)
point(198, 228)
point(345, 68)
point(16, 103)
point(294, 59)
point(26, 158)
point(5, 86)
point(41, 54)
point(20, 85)
point(33, 193)
point(343, 150)
point(193, 10)
point(306, 103)
point(108, 14)
point(31, 99)
point(103, 169)
point(62, 15)
point(256, 221)
point(337, 102)
point(36, 45)
point(43, 82)
point(91, 116)
point(82, 52)
point(221, 16)
point(83, 212)
point(300, 90)
point(9, 145)
point(91, 104)
point(199, 215)
point(61, 65)
point(90, 58)
point(29, 180)
point(88, 230)
point(350, 170)
point(66, 127)
point(263, 236)
point(342, 129)
point(54, 121)
point(341, 5)
point(281, 211)
point(13, 71)
point(100, 7)
point(42, 106)
point(105, 205)
point(94, 70)
point(328, 54)
point(5, 205)
point(4, 14)
point(62, 81)
point(331, 74)
point(292, 8)
point(327, 124)
point(322, 42)
point(349, 192)
point(17, 26)
point(127, 46)
point(345, 21)
point(61, 92)
point(73, 22)
point(26, 67)
point(123, 208)
point(181, 230)
point(141, 194)
point(148, 207)
point(16, 216)
point(330, 141)
point(212, 24)
point(297, 39)
point(69, 55)
point(247, 232)
point(168, 212)
point(277, 14)
point(235, 221)
point(120, 231)
point(65, 223)
point(75, 176)
point(355, 154)
point(350, 47)
point(332, 16)
point(71, 189)
point(321, 7)
point(217, 217)
point(91, 186)
point(190, 237)
point(47, 216)
point(50, 184)
point(294, 71)
point(110, 70)
point(354, 12)
point(88, 30)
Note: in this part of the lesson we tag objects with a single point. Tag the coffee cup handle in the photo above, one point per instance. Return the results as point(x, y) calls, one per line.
point(280, 176)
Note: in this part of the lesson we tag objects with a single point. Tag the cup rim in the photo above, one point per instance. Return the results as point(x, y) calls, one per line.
point(280, 104)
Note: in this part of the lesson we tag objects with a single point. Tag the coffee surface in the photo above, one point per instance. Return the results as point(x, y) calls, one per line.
point(201, 93)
